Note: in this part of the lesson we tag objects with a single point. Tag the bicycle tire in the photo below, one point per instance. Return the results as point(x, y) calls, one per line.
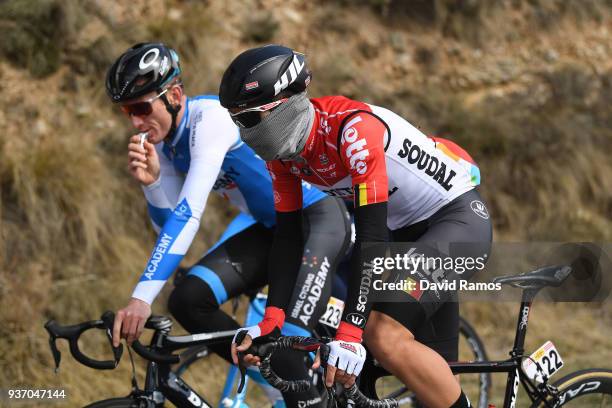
point(584, 388)
point(124, 402)
point(478, 350)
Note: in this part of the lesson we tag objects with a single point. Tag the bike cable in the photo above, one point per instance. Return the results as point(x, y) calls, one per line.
point(134, 380)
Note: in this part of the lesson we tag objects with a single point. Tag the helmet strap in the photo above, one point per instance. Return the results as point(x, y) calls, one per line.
point(173, 111)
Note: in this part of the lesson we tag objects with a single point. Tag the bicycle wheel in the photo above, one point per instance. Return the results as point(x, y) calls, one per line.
point(126, 402)
point(585, 389)
point(477, 387)
point(474, 349)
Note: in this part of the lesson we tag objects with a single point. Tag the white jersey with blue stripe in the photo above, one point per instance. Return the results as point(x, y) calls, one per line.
point(205, 155)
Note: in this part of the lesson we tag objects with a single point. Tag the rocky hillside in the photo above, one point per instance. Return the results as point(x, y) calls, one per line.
point(525, 86)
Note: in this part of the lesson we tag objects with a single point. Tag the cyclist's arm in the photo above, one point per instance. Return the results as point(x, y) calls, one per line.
point(162, 195)
point(361, 147)
point(209, 141)
point(286, 252)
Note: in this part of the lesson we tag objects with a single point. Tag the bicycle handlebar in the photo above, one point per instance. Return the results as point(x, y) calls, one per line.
point(148, 354)
point(274, 379)
point(72, 334)
point(308, 344)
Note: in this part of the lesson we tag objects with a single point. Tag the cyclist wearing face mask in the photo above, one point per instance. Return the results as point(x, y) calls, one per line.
point(186, 148)
point(422, 189)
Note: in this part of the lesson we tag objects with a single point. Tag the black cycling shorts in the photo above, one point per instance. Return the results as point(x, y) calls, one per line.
point(462, 228)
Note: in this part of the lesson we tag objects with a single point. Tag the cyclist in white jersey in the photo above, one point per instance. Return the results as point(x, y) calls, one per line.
point(421, 188)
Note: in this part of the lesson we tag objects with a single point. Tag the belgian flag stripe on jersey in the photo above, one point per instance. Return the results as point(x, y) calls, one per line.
point(364, 194)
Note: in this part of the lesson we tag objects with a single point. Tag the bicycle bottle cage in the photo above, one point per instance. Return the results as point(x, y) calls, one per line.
point(72, 334)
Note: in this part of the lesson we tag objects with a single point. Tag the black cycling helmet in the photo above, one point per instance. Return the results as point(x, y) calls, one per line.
point(259, 75)
point(144, 68)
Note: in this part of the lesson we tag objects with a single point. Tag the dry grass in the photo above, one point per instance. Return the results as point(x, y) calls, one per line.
point(73, 228)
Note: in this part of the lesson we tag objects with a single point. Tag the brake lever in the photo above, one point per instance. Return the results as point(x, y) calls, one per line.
point(108, 318)
point(324, 355)
point(57, 355)
point(331, 397)
point(235, 305)
point(241, 367)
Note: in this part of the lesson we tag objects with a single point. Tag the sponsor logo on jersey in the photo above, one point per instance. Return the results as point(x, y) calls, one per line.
point(324, 127)
point(479, 209)
point(194, 127)
point(182, 211)
point(289, 76)
point(294, 170)
point(339, 192)
point(251, 85)
point(326, 169)
point(227, 180)
point(356, 151)
point(158, 253)
point(427, 163)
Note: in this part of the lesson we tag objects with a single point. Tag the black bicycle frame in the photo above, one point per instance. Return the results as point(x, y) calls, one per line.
point(512, 366)
point(161, 382)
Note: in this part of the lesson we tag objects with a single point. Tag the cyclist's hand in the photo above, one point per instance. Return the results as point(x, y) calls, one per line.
point(249, 359)
point(143, 162)
point(266, 330)
point(344, 363)
point(130, 321)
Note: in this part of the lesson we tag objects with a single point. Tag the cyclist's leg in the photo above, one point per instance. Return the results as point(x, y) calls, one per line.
point(238, 262)
point(326, 228)
point(391, 329)
point(441, 331)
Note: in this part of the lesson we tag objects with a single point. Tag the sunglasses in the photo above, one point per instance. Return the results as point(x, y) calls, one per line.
point(142, 108)
point(250, 117)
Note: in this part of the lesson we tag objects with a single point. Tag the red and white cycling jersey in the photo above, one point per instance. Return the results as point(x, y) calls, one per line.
point(370, 155)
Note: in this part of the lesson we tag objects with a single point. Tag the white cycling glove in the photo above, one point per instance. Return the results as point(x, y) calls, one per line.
point(346, 356)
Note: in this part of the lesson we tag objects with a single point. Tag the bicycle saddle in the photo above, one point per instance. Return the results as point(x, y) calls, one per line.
point(158, 322)
point(553, 275)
